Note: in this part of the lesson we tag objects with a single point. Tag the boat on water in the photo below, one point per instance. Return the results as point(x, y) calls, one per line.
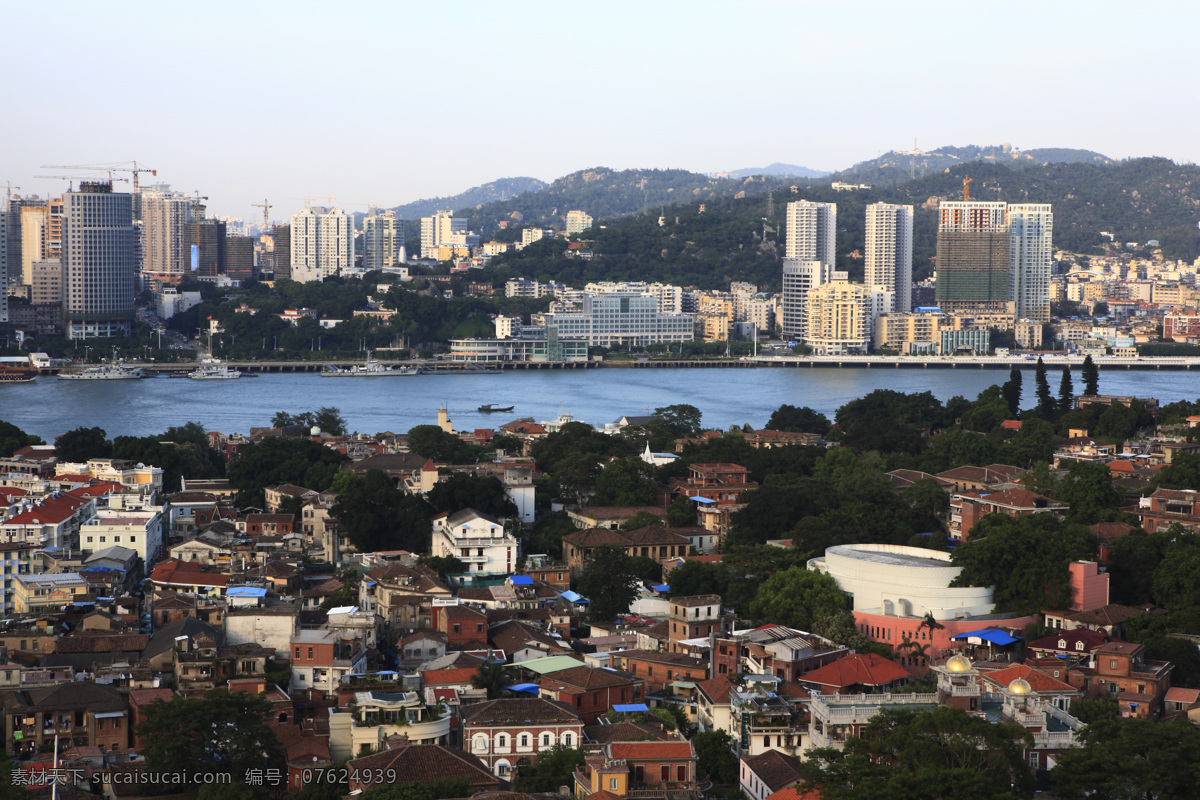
point(17, 374)
point(492, 408)
point(213, 369)
point(116, 370)
point(460, 369)
point(371, 368)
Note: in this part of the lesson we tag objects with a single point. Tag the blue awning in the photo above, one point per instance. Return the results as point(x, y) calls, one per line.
point(573, 597)
point(700, 499)
point(521, 580)
point(532, 688)
point(990, 635)
point(630, 707)
point(662, 587)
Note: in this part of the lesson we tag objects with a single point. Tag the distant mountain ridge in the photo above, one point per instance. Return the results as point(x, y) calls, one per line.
point(497, 190)
point(775, 169)
point(899, 166)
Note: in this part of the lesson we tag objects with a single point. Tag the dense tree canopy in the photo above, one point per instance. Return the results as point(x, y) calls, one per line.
point(13, 438)
point(1130, 759)
point(80, 444)
point(610, 582)
point(626, 481)
point(796, 596)
point(484, 493)
point(279, 460)
point(798, 420)
point(378, 516)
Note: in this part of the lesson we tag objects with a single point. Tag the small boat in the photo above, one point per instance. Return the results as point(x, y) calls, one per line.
point(17, 374)
point(115, 371)
point(371, 368)
point(492, 408)
point(213, 369)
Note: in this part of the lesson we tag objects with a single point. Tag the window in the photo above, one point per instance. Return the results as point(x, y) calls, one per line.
point(681, 773)
point(568, 739)
point(545, 740)
point(1062, 644)
point(612, 784)
point(524, 740)
point(502, 741)
point(1034, 761)
point(457, 628)
point(665, 773)
point(1112, 663)
point(310, 655)
point(1079, 646)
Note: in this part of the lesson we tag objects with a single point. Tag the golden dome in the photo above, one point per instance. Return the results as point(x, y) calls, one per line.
point(958, 663)
point(1020, 686)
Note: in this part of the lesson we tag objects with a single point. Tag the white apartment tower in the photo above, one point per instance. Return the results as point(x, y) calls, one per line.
point(811, 231)
point(383, 240)
point(577, 222)
point(165, 216)
point(4, 265)
point(889, 249)
point(1031, 254)
point(799, 278)
point(441, 228)
point(99, 261)
point(322, 244)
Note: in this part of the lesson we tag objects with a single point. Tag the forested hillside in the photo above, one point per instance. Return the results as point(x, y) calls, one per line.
point(902, 166)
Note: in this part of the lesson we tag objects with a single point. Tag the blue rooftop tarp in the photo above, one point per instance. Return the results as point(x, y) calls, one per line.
point(246, 591)
point(521, 580)
point(700, 499)
point(573, 597)
point(662, 587)
point(990, 635)
point(630, 707)
point(532, 688)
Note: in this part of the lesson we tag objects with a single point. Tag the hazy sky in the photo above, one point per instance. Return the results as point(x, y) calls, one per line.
point(380, 103)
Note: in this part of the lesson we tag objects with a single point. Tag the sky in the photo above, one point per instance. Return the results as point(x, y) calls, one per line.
point(383, 103)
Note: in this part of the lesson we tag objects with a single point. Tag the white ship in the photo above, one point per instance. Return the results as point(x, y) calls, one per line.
point(213, 369)
point(371, 368)
point(115, 371)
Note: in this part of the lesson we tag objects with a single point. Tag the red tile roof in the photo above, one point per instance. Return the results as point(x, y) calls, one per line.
point(868, 669)
point(54, 510)
point(443, 677)
point(651, 751)
point(1038, 680)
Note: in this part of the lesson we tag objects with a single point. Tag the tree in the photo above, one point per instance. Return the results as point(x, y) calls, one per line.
point(1091, 377)
point(435, 790)
point(714, 756)
point(1129, 758)
point(796, 596)
point(444, 448)
point(278, 460)
point(221, 733)
point(378, 516)
point(609, 581)
point(1046, 407)
point(841, 628)
point(890, 421)
point(698, 577)
point(553, 769)
point(13, 438)
point(1087, 488)
point(330, 420)
point(626, 482)
point(642, 519)
point(1089, 711)
point(1182, 473)
point(80, 444)
point(798, 420)
point(682, 512)
point(1011, 392)
point(678, 421)
point(490, 675)
point(442, 565)
point(1066, 393)
point(484, 493)
point(941, 753)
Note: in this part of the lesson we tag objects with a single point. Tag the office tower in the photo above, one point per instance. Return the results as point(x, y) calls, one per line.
point(889, 250)
point(444, 229)
point(281, 252)
point(799, 278)
point(973, 269)
point(1031, 255)
point(239, 257)
point(205, 241)
point(577, 222)
point(383, 238)
point(99, 261)
point(811, 230)
point(165, 216)
point(322, 244)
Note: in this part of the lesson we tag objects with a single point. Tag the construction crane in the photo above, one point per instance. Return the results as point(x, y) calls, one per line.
point(8, 196)
point(116, 166)
point(966, 188)
point(74, 178)
point(266, 207)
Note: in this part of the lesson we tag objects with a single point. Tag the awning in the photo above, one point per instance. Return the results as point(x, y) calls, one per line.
point(532, 688)
point(990, 635)
point(628, 708)
point(573, 597)
point(521, 580)
point(683, 684)
point(700, 499)
point(662, 587)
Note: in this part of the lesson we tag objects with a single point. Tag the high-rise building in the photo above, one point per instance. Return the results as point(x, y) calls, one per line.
point(34, 230)
point(383, 239)
point(444, 229)
point(99, 259)
point(165, 217)
point(973, 257)
point(1031, 256)
point(239, 257)
point(889, 248)
point(840, 315)
point(577, 222)
point(811, 231)
point(620, 320)
point(4, 215)
point(207, 236)
point(47, 282)
point(799, 278)
point(322, 241)
point(281, 252)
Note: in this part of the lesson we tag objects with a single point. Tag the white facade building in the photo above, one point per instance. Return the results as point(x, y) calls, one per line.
point(443, 228)
point(165, 215)
point(577, 222)
point(620, 319)
point(100, 261)
point(383, 240)
point(1031, 254)
point(811, 231)
point(889, 244)
point(480, 542)
point(142, 531)
point(799, 278)
point(322, 241)
point(531, 235)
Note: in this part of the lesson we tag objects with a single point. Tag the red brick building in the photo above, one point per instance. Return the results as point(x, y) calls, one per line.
point(465, 627)
point(1167, 507)
point(969, 507)
point(510, 733)
point(590, 692)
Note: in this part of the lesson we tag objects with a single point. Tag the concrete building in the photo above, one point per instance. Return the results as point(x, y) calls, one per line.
point(205, 239)
point(322, 244)
point(839, 316)
point(1031, 257)
point(442, 229)
point(911, 333)
point(888, 259)
point(383, 240)
point(480, 542)
point(239, 257)
point(974, 270)
point(577, 222)
point(4, 226)
point(99, 253)
point(800, 278)
point(531, 235)
point(33, 228)
point(622, 320)
point(811, 230)
point(46, 286)
point(165, 215)
point(280, 260)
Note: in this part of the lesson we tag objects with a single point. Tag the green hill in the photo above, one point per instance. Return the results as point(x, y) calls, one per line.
point(899, 166)
point(497, 190)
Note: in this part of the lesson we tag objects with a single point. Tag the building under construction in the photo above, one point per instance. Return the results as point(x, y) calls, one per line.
point(973, 257)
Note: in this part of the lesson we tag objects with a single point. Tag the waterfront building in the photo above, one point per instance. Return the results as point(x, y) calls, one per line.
point(622, 320)
point(383, 240)
point(915, 332)
point(165, 215)
point(974, 271)
point(99, 258)
point(1031, 257)
point(811, 231)
point(530, 344)
point(800, 278)
point(322, 244)
point(280, 260)
point(840, 313)
point(4, 217)
point(577, 222)
point(239, 257)
point(889, 243)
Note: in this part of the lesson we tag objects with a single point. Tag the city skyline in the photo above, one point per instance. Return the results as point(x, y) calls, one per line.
point(264, 139)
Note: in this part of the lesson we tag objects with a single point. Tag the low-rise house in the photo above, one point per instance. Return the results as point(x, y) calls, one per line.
point(968, 508)
point(1072, 646)
point(723, 484)
point(479, 541)
point(1120, 672)
point(374, 715)
point(465, 627)
point(970, 478)
point(855, 674)
point(275, 495)
point(590, 692)
point(189, 577)
point(47, 591)
point(522, 642)
point(321, 658)
point(402, 597)
point(762, 775)
point(767, 438)
point(81, 713)
point(1167, 507)
point(402, 762)
point(655, 543)
point(657, 670)
point(143, 531)
point(510, 733)
point(647, 768)
point(610, 517)
point(53, 522)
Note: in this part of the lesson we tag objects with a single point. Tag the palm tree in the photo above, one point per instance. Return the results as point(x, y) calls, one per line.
point(915, 650)
point(490, 675)
point(932, 625)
